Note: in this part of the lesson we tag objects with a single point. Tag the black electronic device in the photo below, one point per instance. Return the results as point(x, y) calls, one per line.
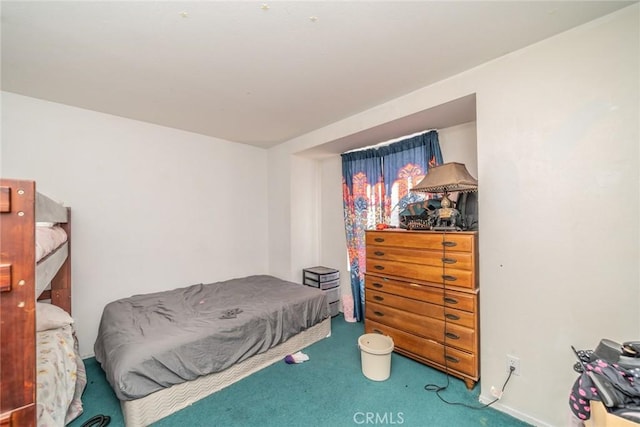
point(467, 205)
point(631, 349)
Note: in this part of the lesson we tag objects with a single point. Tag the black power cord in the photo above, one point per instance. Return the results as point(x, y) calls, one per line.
point(97, 421)
point(437, 389)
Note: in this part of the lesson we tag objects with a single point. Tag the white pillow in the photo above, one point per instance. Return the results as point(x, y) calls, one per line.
point(49, 316)
point(45, 224)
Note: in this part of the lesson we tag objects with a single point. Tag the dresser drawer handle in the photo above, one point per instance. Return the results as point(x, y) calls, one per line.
point(449, 300)
point(379, 239)
point(449, 244)
point(379, 253)
point(449, 260)
point(452, 316)
point(377, 285)
point(377, 331)
point(378, 298)
point(378, 267)
point(452, 336)
point(452, 359)
point(449, 278)
point(378, 313)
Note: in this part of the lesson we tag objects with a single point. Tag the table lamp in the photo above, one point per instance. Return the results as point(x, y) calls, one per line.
point(446, 178)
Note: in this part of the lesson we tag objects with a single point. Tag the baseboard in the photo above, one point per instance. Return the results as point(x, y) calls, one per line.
point(514, 413)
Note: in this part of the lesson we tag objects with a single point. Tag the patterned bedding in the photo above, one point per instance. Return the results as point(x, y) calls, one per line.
point(61, 377)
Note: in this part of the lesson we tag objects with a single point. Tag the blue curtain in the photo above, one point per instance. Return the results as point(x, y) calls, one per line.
point(375, 188)
point(362, 193)
point(405, 163)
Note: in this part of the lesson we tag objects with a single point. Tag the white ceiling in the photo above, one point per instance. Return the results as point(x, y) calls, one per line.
point(260, 73)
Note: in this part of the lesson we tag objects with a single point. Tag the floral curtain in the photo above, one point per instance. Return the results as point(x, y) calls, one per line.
point(375, 188)
point(405, 163)
point(363, 193)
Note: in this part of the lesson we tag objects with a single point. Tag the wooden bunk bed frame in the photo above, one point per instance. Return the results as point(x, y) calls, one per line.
point(20, 208)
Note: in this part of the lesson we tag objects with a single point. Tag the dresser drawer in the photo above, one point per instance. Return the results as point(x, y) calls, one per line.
point(462, 318)
point(426, 350)
point(406, 304)
point(459, 242)
point(447, 276)
point(423, 326)
point(458, 260)
point(436, 311)
point(427, 327)
point(454, 299)
point(460, 337)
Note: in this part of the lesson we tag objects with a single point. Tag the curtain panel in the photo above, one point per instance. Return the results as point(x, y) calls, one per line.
point(405, 163)
point(363, 195)
point(375, 189)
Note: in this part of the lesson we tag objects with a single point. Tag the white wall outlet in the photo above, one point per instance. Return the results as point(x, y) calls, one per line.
point(513, 362)
point(496, 392)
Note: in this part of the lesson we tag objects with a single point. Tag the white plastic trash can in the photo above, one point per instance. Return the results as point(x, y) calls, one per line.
point(375, 352)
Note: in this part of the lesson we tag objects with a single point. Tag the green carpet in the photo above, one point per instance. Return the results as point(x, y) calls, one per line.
point(327, 390)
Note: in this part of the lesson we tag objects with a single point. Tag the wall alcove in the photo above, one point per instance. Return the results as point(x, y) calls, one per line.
point(322, 166)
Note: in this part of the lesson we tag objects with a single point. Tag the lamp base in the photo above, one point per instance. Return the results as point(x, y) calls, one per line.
point(447, 219)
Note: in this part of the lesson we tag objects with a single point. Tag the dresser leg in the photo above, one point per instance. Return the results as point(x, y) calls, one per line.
point(469, 383)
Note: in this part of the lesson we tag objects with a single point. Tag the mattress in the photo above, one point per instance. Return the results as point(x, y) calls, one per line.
point(48, 238)
point(150, 342)
point(52, 249)
point(151, 408)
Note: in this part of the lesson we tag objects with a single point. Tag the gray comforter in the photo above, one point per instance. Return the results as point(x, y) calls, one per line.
point(149, 342)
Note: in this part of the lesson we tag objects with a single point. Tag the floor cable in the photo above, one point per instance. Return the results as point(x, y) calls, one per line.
point(97, 421)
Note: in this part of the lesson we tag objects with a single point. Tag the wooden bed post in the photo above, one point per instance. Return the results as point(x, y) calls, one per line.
point(17, 303)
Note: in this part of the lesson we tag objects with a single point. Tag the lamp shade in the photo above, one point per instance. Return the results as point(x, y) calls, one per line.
point(448, 177)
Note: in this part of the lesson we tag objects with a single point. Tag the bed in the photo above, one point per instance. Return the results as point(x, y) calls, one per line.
point(163, 351)
point(42, 375)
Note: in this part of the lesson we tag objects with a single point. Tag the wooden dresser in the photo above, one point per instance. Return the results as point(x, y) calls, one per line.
point(422, 291)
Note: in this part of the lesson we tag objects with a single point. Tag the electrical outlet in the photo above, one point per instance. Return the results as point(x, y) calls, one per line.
point(513, 362)
point(496, 392)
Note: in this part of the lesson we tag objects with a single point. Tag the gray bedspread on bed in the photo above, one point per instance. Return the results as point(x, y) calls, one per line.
point(149, 342)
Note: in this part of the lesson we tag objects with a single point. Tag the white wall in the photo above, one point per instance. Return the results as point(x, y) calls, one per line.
point(557, 163)
point(153, 208)
point(333, 240)
point(557, 143)
point(304, 215)
point(278, 211)
point(459, 144)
